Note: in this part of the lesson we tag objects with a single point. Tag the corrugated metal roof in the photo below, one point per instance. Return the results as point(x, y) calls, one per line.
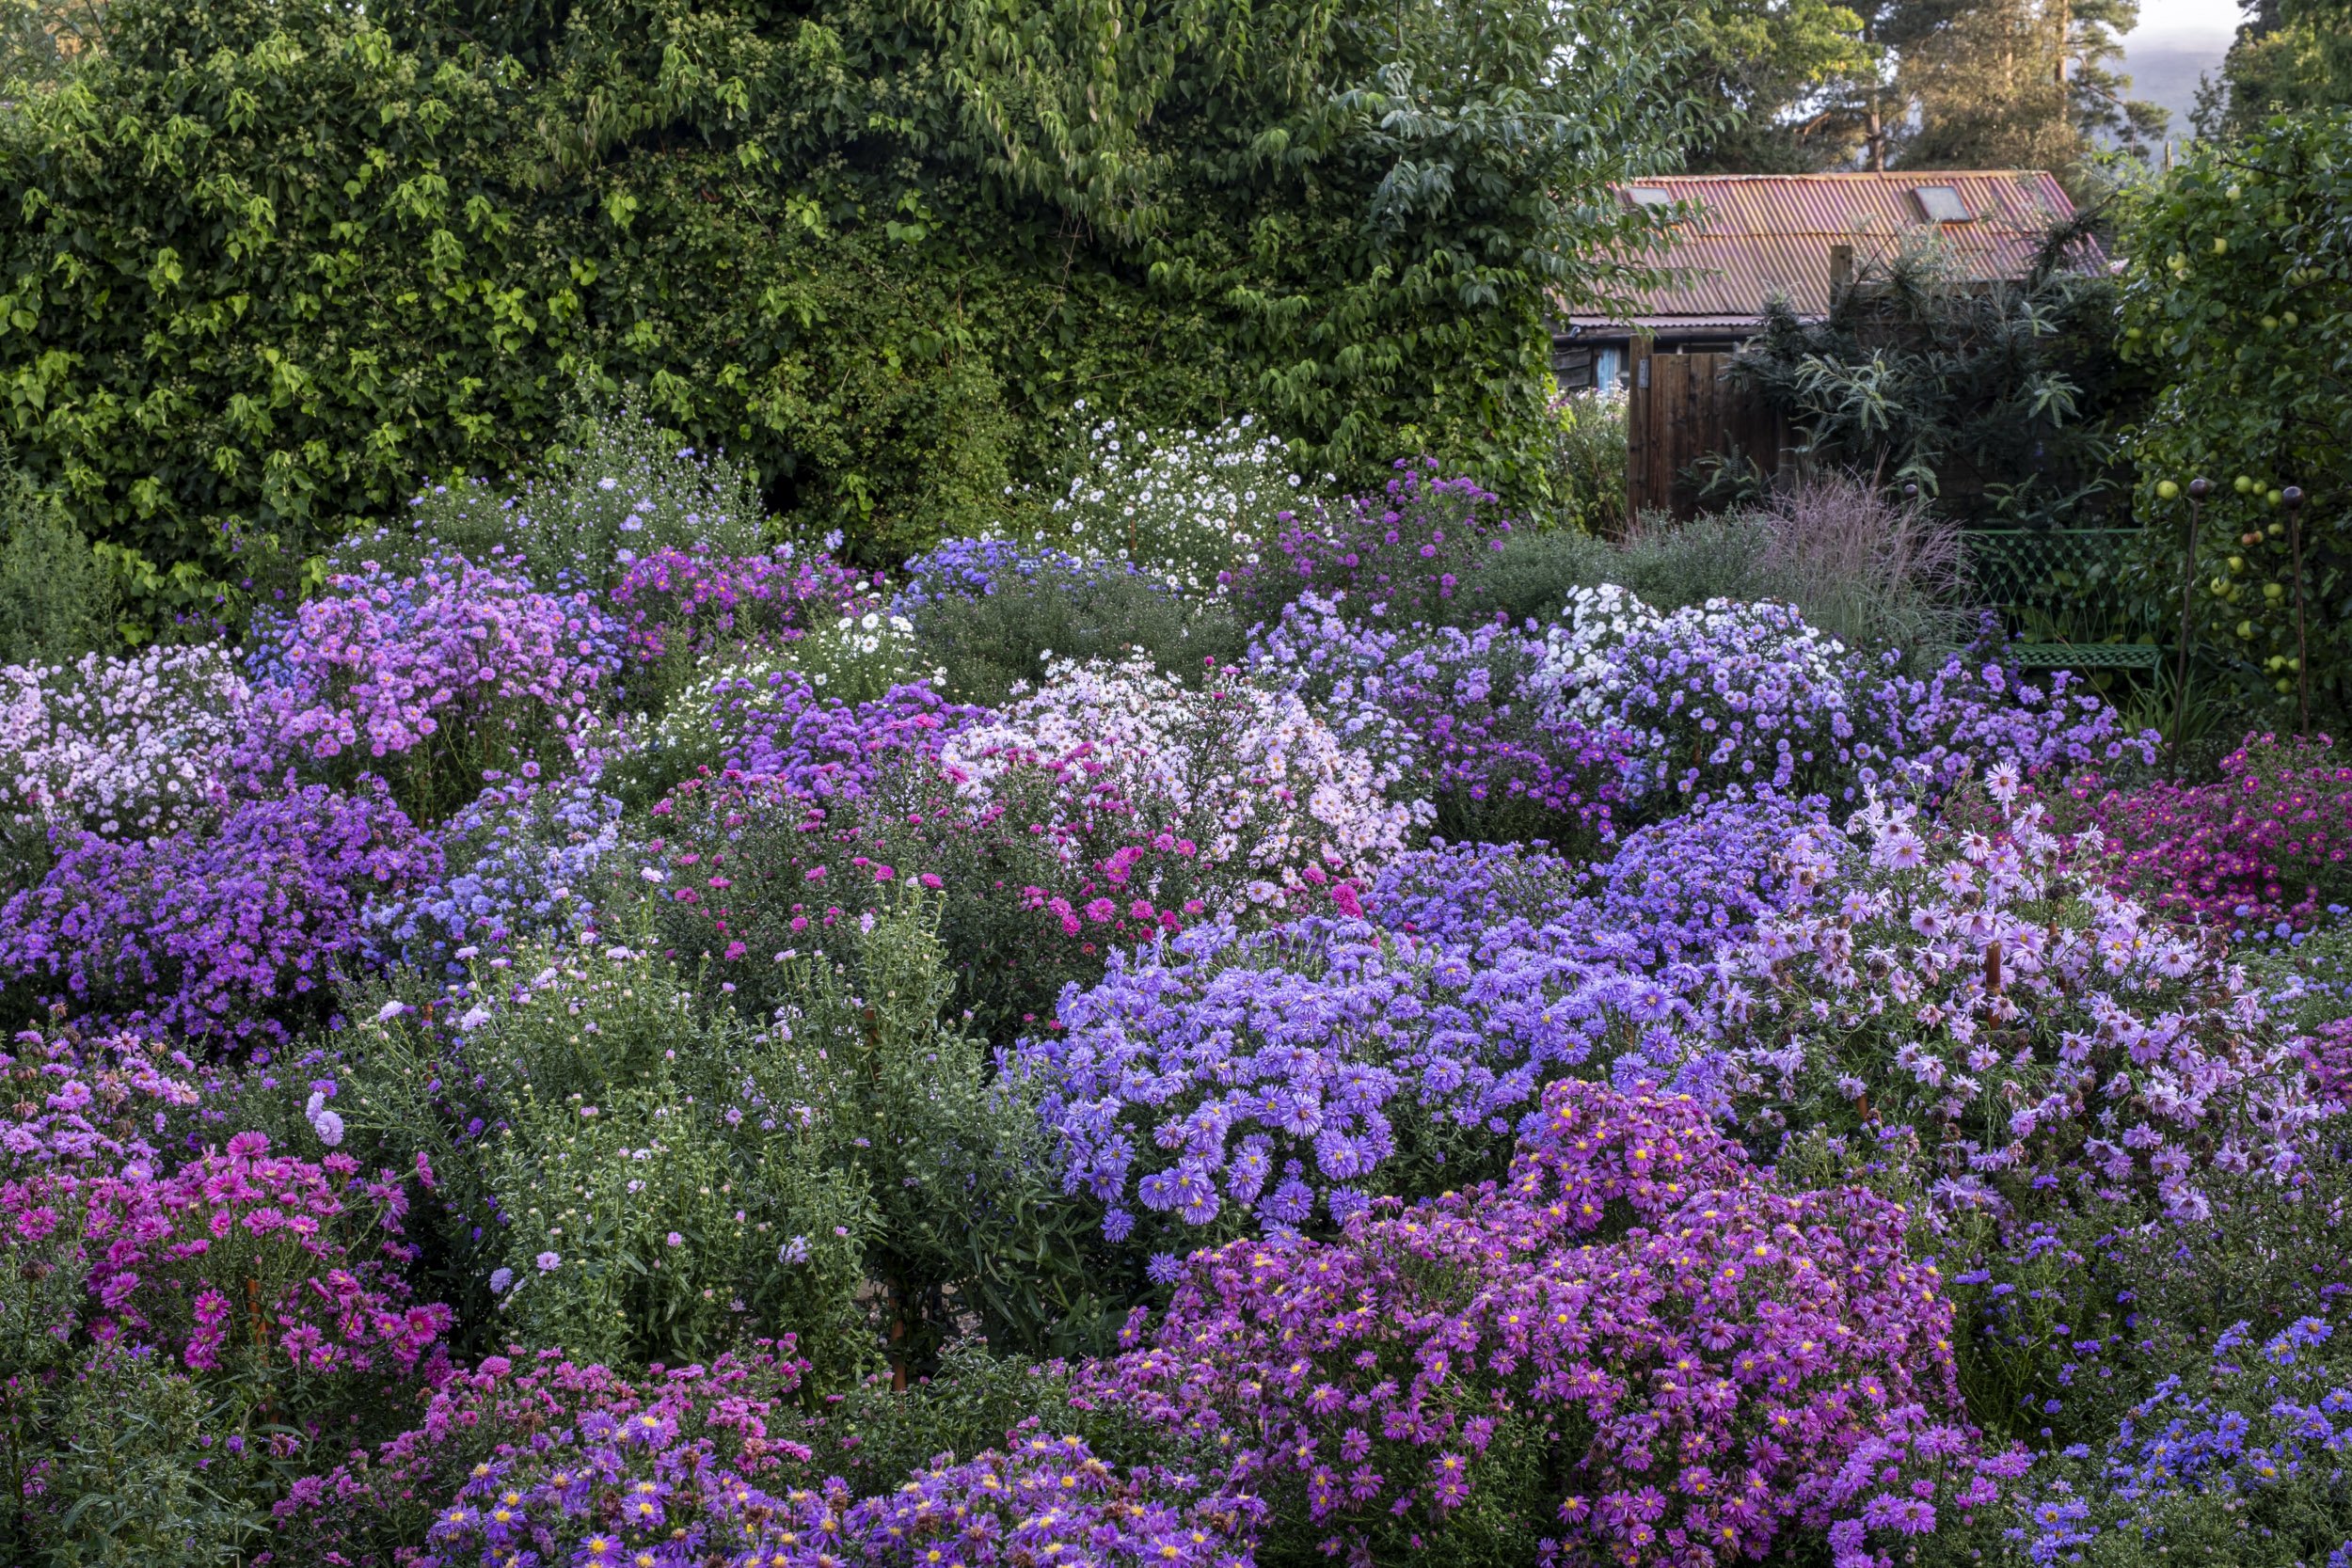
point(1758, 236)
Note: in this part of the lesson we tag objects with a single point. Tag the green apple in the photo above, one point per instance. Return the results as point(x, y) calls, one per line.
point(2167, 490)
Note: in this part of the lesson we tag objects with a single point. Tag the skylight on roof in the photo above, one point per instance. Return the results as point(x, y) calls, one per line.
point(1942, 204)
point(1650, 195)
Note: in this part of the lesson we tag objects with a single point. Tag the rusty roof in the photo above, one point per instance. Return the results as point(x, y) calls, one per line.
point(1756, 236)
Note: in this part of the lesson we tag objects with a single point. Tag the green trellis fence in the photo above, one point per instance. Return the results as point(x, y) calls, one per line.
point(2062, 592)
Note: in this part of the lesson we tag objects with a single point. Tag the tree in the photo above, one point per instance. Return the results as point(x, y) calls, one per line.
point(2015, 84)
point(269, 263)
point(1788, 74)
point(2289, 56)
point(2238, 299)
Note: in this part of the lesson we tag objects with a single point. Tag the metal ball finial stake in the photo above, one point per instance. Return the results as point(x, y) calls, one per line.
point(2198, 490)
point(2292, 497)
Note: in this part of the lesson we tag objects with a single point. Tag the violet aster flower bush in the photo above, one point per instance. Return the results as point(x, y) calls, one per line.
point(1457, 707)
point(228, 932)
point(1633, 1347)
point(678, 605)
point(537, 1452)
point(2237, 1453)
point(127, 748)
point(2023, 1021)
point(429, 679)
point(1729, 693)
point(1218, 1085)
point(521, 860)
point(1409, 546)
point(766, 717)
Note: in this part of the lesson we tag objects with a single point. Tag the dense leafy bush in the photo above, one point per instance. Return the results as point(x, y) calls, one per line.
point(625, 1172)
point(998, 614)
point(871, 256)
point(57, 599)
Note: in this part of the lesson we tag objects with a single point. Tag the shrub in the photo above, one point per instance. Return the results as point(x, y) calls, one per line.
point(541, 1452)
point(264, 1269)
point(1189, 509)
point(765, 717)
point(627, 1172)
point(126, 748)
point(227, 933)
point(679, 607)
point(58, 601)
point(1254, 777)
point(113, 1456)
point(2022, 1021)
point(997, 643)
point(1410, 548)
point(1632, 1345)
point(1587, 461)
point(1456, 708)
point(2261, 848)
point(1039, 882)
point(1223, 1084)
point(616, 493)
point(520, 861)
point(432, 680)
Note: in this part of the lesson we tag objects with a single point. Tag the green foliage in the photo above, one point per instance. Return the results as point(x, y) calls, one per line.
point(650, 1175)
point(1997, 400)
point(875, 1435)
point(615, 481)
point(107, 1456)
point(1790, 73)
point(57, 599)
point(1587, 460)
point(961, 1173)
point(269, 263)
point(2291, 57)
point(2235, 299)
point(989, 641)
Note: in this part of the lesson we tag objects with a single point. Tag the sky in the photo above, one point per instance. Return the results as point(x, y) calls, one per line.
point(2175, 42)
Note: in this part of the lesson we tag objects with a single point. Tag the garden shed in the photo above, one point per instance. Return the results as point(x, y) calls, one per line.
point(1742, 240)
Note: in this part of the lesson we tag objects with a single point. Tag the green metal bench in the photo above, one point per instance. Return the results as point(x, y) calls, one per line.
point(2060, 592)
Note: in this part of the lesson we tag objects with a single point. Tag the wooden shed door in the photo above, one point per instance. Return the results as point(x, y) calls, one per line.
point(1679, 409)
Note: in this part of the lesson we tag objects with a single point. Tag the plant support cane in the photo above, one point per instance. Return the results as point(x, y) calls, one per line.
point(2197, 492)
point(2293, 498)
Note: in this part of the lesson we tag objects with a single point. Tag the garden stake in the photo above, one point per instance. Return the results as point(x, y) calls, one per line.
point(2197, 489)
point(2294, 499)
